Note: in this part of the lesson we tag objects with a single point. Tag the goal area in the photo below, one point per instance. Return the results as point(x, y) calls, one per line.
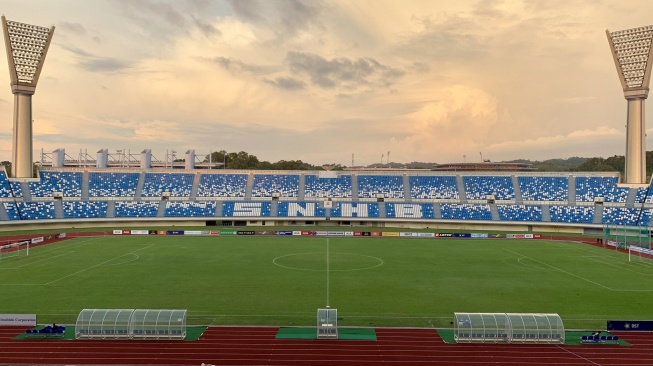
point(623, 237)
point(14, 250)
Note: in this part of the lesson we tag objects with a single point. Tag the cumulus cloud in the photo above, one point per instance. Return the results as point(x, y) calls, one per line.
point(287, 83)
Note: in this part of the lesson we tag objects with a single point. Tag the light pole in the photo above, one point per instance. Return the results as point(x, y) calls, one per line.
point(26, 47)
point(631, 51)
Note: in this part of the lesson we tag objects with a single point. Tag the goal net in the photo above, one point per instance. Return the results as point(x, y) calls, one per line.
point(14, 250)
point(622, 237)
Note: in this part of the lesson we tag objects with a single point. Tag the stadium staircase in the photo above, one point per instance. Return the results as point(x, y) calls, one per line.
point(495, 212)
point(301, 191)
point(249, 187)
point(437, 211)
point(519, 200)
point(27, 194)
point(111, 209)
point(3, 213)
point(195, 187)
point(632, 195)
point(274, 208)
point(162, 209)
point(58, 209)
point(461, 189)
point(598, 214)
point(139, 186)
point(381, 210)
point(572, 189)
point(354, 188)
point(85, 184)
point(546, 214)
point(218, 208)
point(406, 191)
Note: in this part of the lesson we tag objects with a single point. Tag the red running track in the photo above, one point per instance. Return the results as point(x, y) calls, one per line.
point(258, 346)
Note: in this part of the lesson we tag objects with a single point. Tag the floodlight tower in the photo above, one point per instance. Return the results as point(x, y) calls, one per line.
point(26, 47)
point(631, 50)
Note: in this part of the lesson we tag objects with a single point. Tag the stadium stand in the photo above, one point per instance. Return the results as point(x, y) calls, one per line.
point(35, 210)
point(434, 187)
point(588, 188)
point(572, 214)
point(520, 212)
point(16, 188)
point(544, 188)
point(409, 210)
point(222, 185)
point(339, 187)
point(190, 209)
point(466, 211)
point(623, 205)
point(178, 184)
point(136, 208)
point(265, 185)
point(85, 209)
point(119, 184)
point(246, 209)
point(478, 187)
point(300, 209)
point(5, 189)
point(68, 183)
point(354, 209)
point(12, 210)
point(392, 186)
point(626, 216)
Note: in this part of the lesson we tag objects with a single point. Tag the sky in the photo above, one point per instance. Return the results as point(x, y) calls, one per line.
point(319, 81)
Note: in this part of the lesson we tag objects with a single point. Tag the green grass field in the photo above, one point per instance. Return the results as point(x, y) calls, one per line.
point(283, 280)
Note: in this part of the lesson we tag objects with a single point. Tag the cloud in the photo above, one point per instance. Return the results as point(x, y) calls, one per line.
point(287, 83)
point(206, 28)
point(234, 65)
point(342, 72)
point(103, 65)
point(75, 28)
point(147, 9)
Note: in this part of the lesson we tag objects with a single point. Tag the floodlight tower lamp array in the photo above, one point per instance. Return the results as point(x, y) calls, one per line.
point(26, 46)
point(632, 51)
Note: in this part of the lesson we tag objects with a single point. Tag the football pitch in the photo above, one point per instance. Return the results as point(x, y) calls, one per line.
point(284, 280)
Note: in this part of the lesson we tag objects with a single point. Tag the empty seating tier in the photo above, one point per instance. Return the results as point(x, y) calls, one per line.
point(392, 186)
point(67, 183)
point(589, 188)
point(190, 209)
point(466, 211)
point(177, 184)
point(222, 185)
point(267, 185)
point(300, 209)
point(434, 187)
point(519, 213)
point(479, 187)
point(136, 208)
point(86, 209)
point(339, 187)
point(409, 210)
point(572, 214)
point(102, 184)
point(544, 188)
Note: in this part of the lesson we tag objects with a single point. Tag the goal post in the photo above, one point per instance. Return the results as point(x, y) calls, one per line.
point(14, 249)
point(623, 236)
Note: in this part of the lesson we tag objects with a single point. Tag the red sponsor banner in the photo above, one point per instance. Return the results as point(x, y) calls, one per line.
point(375, 233)
point(537, 236)
point(126, 232)
point(358, 233)
point(214, 232)
point(161, 232)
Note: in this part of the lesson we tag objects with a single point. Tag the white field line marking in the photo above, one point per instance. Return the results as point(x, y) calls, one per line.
point(623, 268)
point(274, 261)
point(577, 276)
point(97, 265)
point(39, 261)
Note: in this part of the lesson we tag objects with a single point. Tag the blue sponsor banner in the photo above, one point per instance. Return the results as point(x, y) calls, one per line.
point(462, 235)
point(174, 232)
point(289, 233)
point(480, 235)
point(634, 325)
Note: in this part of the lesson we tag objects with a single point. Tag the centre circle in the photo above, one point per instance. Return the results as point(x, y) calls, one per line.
point(337, 262)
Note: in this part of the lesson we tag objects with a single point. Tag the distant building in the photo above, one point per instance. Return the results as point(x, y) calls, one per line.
point(484, 167)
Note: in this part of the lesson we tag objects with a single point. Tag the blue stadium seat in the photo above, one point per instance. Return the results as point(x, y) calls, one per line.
point(392, 186)
point(86, 209)
point(339, 187)
point(222, 185)
point(588, 188)
point(177, 184)
point(478, 187)
point(537, 188)
point(520, 212)
point(433, 187)
point(136, 208)
point(190, 209)
point(466, 211)
point(265, 185)
point(112, 184)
